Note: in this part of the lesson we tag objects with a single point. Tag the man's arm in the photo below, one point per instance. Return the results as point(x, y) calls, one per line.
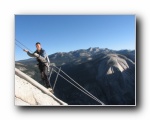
point(41, 57)
point(30, 54)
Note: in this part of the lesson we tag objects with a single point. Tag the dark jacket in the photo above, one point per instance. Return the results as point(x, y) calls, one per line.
point(42, 53)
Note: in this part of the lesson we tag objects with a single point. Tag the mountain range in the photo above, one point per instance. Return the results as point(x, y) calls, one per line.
point(107, 74)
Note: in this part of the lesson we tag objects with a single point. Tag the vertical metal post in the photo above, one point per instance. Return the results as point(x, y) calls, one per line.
point(50, 77)
point(56, 79)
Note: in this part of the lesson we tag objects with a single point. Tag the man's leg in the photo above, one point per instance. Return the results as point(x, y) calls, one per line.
point(45, 71)
point(43, 78)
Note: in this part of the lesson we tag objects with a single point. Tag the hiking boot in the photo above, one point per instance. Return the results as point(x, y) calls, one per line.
point(51, 90)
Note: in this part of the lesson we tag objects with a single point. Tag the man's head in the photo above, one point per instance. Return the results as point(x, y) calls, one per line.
point(38, 46)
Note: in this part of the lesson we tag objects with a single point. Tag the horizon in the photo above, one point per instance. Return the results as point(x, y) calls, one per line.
point(76, 50)
point(65, 33)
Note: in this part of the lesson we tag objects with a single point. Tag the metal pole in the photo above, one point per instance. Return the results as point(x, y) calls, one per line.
point(50, 77)
point(56, 78)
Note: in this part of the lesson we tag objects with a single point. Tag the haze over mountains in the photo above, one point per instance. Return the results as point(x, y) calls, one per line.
point(107, 74)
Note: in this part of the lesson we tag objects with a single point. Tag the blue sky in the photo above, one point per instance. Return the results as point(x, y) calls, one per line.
point(64, 33)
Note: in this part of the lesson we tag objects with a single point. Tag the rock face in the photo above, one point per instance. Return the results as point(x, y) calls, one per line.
point(27, 94)
point(116, 76)
point(110, 77)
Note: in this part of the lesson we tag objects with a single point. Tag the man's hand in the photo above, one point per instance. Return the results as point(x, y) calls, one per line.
point(25, 50)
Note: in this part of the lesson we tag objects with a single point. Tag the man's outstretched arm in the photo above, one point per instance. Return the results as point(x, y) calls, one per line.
point(40, 57)
point(30, 54)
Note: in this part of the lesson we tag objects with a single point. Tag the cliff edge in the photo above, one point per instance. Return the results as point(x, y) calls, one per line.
point(28, 92)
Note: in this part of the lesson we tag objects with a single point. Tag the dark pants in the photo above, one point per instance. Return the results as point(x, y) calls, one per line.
point(44, 76)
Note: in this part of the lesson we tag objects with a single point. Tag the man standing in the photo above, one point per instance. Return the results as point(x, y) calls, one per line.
point(43, 63)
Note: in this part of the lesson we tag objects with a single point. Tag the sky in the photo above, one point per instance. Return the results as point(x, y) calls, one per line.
point(64, 33)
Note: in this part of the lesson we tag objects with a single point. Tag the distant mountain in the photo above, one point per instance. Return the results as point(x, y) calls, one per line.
point(128, 53)
point(81, 55)
point(107, 74)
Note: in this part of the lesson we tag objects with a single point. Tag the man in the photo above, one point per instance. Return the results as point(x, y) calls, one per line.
point(43, 63)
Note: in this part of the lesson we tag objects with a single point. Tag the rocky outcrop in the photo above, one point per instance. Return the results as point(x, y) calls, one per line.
point(29, 92)
point(116, 76)
point(109, 77)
